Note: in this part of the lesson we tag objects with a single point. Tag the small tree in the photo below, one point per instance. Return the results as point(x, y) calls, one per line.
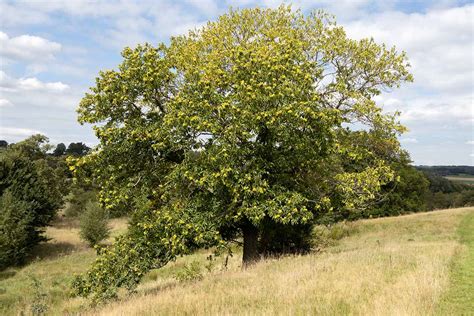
point(93, 225)
point(15, 229)
point(78, 198)
point(31, 195)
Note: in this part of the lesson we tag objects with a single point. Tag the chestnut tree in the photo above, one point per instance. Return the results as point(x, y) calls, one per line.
point(263, 118)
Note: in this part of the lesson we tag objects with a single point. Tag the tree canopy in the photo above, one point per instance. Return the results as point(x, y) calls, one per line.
point(75, 149)
point(264, 119)
point(60, 150)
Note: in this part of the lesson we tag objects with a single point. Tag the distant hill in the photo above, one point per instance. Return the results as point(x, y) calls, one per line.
point(448, 170)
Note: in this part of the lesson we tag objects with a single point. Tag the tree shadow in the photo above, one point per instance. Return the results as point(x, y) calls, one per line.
point(51, 250)
point(63, 222)
point(160, 288)
point(6, 274)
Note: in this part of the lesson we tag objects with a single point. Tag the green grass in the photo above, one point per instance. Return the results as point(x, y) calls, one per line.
point(54, 275)
point(459, 299)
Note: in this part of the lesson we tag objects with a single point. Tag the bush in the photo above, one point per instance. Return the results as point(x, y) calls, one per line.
point(325, 236)
point(94, 228)
point(190, 272)
point(15, 221)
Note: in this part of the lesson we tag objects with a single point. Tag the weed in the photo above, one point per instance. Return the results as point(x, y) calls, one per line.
point(190, 272)
point(38, 305)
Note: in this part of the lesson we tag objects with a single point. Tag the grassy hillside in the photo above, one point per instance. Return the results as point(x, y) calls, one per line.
point(53, 266)
point(409, 265)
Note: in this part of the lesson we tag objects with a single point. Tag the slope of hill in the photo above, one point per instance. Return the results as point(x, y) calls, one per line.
point(389, 266)
point(417, 264)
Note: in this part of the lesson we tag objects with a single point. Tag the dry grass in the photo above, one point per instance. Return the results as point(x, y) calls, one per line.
point(392, 266)
point(388, 266)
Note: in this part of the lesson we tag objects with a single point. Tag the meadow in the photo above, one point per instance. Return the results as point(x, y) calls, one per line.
point(420, 264)
point(461, 178)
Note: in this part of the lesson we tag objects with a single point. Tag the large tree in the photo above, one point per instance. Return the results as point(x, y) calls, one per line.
point(262, 120)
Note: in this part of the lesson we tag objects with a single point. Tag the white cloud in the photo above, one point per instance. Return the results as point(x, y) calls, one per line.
point(470, 142)
point(14, 14)
point(438, 109)
point(438, 43)
point(35, 84)
point(408, 140)
point(28, 48)
point(5, 103)
point(14, 134)
point(208, 7)
point(10, 84)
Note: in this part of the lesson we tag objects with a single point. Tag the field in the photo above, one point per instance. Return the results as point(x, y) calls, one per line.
point(466, 179)
point(421, 264)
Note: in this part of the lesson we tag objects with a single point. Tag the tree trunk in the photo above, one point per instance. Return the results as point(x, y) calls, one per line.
point(250, 233)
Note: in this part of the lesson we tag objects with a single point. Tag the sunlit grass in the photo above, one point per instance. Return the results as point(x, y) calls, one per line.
point(392, 266)
point(54, 264)
point(387, 266)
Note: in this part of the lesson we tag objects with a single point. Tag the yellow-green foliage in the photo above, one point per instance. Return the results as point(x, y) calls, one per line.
point(224, 128)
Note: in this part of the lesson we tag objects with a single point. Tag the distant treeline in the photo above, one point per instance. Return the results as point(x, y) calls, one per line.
point(420, 189)
point(74, 149)
point(447, 170)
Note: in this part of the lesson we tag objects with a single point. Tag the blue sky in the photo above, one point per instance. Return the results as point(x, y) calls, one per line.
point(51, 51)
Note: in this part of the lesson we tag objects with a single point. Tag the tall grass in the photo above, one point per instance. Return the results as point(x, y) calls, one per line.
point(52, 265)
point(391, 266)
point(386, 266)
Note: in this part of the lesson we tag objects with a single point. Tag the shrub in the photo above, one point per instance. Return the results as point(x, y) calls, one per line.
point(190, 272)
point(325, 236)
point(38, 306)
point(15, 221)
point(93, 225)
